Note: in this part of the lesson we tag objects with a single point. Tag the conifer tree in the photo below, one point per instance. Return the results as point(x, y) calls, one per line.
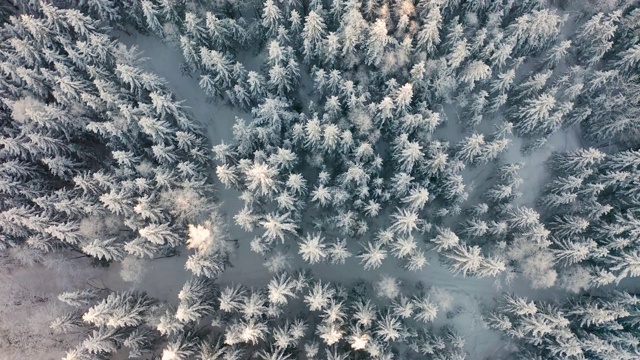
point(312, 35)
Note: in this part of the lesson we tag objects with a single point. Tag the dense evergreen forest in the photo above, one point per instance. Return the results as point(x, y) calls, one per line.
point(319, 179)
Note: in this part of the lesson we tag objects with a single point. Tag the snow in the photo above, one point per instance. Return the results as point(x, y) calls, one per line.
point(29, 303)
point(199, 237)
point(164, 60)
point(165, 277)
point(470, 295)
point(533, 172)
point(30, 293)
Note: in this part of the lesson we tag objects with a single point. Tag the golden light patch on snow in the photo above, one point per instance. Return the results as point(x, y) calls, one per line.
point(199, 238)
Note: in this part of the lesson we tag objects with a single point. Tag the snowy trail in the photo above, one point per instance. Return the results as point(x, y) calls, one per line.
point(534, 171)
point(166, 276)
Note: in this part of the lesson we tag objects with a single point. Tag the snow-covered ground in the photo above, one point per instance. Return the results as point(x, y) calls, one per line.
point(534, 170)
point(166, 276)
point(28, 298)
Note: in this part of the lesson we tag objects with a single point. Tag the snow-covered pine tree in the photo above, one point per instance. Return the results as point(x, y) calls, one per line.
point(313, 33)
point(593, 38)
point(534, 31)
point(566, 329)
point(197, 300)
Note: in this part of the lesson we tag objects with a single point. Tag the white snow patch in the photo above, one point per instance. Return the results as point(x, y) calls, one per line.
point(534, 171)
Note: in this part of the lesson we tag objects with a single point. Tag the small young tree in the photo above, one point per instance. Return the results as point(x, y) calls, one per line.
point(372, 255)
point(445, 240)
point(312, 248)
